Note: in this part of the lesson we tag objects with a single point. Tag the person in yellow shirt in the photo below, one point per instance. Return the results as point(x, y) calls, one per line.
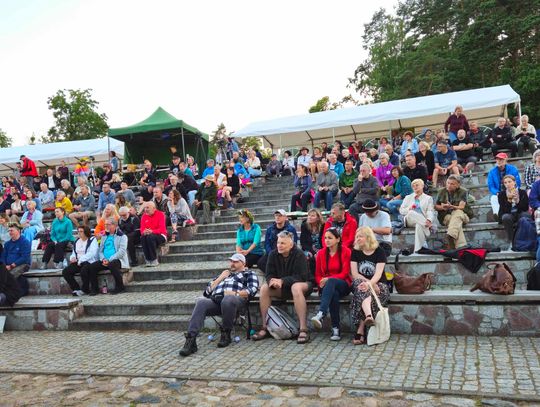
point(62, 201)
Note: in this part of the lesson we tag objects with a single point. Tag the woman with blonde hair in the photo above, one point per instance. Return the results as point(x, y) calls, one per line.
point(425, 157)
point(179, 212)
point(110, 210)
point(367, 268)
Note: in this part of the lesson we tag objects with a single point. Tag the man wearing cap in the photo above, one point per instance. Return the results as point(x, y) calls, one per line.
point(494, 180)
point(501, 138)
point(274, 166)
point(365, 187)
point(326, 186)
point(205, 199)
point(17, 255)
point(345, 224)
point(224, 296)
point(453, 211)
point(174, 166)
point(379, 221)
point(28, 169)
point(304, 158)
point(281, 223)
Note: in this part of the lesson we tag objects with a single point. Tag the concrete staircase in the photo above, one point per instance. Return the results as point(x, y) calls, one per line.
point(163, 297)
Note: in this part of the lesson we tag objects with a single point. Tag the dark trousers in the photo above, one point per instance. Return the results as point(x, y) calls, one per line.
point(525, 142)
point(261, 263)
point(134, 238)
point(302, 198)
point(59, 251)
point(114, 267)
point(510, 220)
point(326, 196)
point(69, 275)
point(387, 248)
point(346, 199)
point(150, 244)
point(204, 307)
point(356, 209)
point(507, 146)
point(332, 292)
point(252, 259)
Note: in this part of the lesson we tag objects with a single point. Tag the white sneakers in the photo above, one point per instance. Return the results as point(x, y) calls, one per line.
point(317, 320)
point(335, 335)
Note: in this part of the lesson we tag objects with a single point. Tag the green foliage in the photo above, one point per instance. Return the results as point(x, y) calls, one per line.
point(76, 117)
point(432, 47)
point(324, 104)
point(251, 142)
point(5, 141)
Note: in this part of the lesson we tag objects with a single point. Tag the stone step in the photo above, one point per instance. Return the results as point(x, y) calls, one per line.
point(128, 322)
point(435, 312)
point(448, 274)
point(182, 284)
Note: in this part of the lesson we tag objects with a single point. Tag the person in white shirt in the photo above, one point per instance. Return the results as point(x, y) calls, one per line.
point(304, 158)
point(288, 163)
point(85, 252)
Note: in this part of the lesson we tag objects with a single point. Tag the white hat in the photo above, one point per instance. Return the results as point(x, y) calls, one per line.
point(238, 257)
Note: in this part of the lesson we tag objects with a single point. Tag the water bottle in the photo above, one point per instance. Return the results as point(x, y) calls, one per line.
point(237, 339)
point(211, 338)
point(104, 289)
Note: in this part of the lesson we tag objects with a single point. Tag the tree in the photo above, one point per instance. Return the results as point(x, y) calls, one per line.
point(324, 104)
point(432, 47)
point(76, 116)
point(5, 141)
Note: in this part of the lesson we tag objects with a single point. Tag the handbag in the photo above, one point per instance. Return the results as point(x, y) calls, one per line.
point(380, 332)
point(498, 280)
point(412, 285)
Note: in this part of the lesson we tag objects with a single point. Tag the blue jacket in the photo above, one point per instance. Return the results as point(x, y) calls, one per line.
point(37, 220)
point(494, 178)
point(534, 196)
point(413, 146)
point(18, 252)
point(105, 199)
point(270, 239)
point(338, 168)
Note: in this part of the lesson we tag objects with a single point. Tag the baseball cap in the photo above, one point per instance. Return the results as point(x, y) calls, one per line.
point(502, 156)
point(238, 257)
point(281, 212)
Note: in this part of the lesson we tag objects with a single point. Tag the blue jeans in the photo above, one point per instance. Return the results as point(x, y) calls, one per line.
point(452, 136)
point(253, 172)
point(347, 199)
point(538, 249)
point(191, 197)
point(327, 196)
point(332, 292)
point(29, 233)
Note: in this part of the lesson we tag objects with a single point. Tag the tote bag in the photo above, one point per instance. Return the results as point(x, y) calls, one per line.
point(380, 332)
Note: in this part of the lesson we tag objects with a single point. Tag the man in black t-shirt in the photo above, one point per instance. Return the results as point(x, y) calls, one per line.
point(413, 171)
point(464, 148)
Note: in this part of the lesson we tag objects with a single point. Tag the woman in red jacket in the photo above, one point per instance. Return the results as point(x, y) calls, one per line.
point(332, 275)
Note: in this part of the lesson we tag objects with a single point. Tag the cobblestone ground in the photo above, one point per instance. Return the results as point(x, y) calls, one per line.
point(475, 367)
point(87, 390)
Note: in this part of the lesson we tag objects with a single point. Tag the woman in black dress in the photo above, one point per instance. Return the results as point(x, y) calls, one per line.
point(233, 187)
point(425, 157)
point(311, 237)
point(367, 267)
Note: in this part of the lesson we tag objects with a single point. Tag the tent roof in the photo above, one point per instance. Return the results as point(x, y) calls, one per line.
point(158, 121)
point(69, 151)
point(373, 120)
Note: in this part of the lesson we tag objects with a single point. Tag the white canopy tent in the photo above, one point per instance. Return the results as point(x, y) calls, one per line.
point(50, 155)
point(484, 105)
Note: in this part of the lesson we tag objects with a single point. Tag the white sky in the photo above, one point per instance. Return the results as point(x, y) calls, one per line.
point(205, 62)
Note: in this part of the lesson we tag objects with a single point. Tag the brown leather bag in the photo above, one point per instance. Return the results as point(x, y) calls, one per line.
point(412, 285)
point(498, 280)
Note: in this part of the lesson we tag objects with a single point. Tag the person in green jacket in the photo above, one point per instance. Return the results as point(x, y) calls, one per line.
point(400, 189)
point(346, 181)
point(61, 236)
point(205, 199)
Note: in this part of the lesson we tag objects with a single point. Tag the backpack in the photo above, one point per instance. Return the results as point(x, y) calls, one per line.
point(280, 324)
point(533, 278)
point(525, 236)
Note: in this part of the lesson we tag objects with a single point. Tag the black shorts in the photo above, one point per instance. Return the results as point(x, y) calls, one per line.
point(287, 294)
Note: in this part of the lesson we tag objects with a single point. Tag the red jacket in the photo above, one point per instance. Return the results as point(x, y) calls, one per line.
point(335, 269)
point(156, 223)
point(28, 168)
point(349, 230)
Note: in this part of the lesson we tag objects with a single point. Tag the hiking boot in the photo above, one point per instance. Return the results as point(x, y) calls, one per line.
point(190, 346)
point(225, 339)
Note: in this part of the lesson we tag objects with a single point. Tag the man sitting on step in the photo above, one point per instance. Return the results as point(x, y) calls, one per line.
point(225, 296)
point(112, 256)
point(205, 199)
point(10, 292)
point(453, 211)
point(153, 233)
point(281, 223)
point(17, 255)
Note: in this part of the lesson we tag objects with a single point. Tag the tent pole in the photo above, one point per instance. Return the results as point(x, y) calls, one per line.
point(183, 145)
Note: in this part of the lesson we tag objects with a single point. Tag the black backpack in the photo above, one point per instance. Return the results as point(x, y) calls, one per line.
point(525, 236)
point(533, 278)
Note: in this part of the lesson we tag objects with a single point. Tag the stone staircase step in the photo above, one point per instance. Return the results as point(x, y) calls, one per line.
point(126, 322)
point(183, 284)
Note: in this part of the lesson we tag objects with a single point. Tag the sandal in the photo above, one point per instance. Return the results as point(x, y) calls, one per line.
point(369, 321)
point(303, 337)
point(262, 334)
point(359, 339)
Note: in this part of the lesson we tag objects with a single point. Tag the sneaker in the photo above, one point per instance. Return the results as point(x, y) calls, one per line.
point(43, 266)
point(77, 293)
point(317, 320)
point(59, 266)
point(153, 263)
point(335, 335)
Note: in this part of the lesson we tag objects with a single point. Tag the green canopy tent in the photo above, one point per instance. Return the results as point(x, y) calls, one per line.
point(158, 137)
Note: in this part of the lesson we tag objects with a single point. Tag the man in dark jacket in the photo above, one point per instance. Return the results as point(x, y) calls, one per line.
point(10, 292)
point(286, 277)
point(501, 138)
point(365, 187)
point(17, 255)
point(413, 171)
point(205, 199)
point(281, 223)
point(130, 224)
point(190, 186)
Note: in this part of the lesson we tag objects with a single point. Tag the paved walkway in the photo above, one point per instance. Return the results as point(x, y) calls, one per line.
point(504, 367)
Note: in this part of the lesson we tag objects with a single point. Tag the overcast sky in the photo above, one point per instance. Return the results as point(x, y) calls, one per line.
point(205, 62)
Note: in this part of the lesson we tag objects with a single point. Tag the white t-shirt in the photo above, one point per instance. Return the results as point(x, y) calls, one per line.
point(381, 220)
point(80, 247)
point(304, 160)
